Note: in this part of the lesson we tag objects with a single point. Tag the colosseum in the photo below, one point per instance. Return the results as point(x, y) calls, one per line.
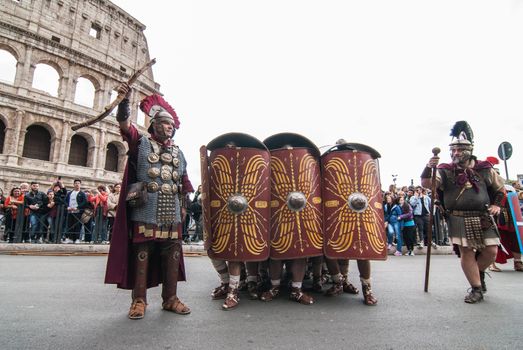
point(60, 63)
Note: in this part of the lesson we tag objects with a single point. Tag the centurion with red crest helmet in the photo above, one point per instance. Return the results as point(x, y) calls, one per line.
point(146, 246)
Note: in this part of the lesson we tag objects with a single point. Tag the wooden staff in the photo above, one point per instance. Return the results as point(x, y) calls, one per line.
point(118, 99)
point(435, 152)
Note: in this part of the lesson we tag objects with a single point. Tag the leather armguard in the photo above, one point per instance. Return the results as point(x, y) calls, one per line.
point(124, 112)
point(427, 173)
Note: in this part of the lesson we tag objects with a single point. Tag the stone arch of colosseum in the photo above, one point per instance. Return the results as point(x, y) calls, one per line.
point(41, 121)
point(13, 48)
point(33, 37)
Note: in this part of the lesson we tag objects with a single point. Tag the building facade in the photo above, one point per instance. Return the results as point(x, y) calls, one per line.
point(90, 42)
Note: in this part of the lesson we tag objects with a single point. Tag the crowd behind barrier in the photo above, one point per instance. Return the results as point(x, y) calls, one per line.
point(28, 215)
point(58, 215)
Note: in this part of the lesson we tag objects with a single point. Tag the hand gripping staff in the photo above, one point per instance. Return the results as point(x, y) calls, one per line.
point(435, 152)
point(118, 99)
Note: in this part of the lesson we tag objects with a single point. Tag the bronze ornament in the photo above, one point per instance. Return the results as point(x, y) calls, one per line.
point(153, 158)
point(152, 187)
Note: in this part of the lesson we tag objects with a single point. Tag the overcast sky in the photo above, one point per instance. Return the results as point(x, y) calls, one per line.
point(394, 75)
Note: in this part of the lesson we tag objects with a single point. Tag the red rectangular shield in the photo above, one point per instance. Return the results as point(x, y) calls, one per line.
point(515, 210)
point(354, 226)
point(236, 172)
point(295, 232)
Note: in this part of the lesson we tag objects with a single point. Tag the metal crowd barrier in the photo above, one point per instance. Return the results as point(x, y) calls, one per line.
point(55, 230)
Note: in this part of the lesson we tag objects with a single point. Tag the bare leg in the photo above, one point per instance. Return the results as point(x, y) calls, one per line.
point(232, 299)
point(487, 257)
point(275, 269)
point(333, 266)
point(334, 269)
point(252, 279)
point(470, 268)
point(298, 272)
point(364, 269)
point(469, 265)
point(223, 271)
point(317, 282)
point(344, 269)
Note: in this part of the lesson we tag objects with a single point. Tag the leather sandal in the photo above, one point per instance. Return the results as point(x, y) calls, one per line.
point(518, 266)
point(335, 290)
point(475, 295)
point(300, 297)
point(494, 268)
point(137, 310)
point(271, 294)
point(220, 292)
point(349, 287)
point(368, 297)
point(232, 299)
point(175, 305)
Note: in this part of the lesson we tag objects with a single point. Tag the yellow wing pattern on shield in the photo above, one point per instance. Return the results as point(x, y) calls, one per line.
point(286, 223)
point(250, 220)
point(349, 226)
point(228, 226)
point(223, 220)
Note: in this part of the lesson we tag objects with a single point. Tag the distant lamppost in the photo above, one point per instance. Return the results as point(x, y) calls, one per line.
point(394, 177)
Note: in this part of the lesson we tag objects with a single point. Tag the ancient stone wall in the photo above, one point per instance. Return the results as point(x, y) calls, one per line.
point(91, 39)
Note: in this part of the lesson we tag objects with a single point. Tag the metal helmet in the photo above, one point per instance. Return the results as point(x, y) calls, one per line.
point(462, 136)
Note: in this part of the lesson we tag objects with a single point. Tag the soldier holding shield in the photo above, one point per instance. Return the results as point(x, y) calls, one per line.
point(354, 226)
point(235, 203)
point(296, 213)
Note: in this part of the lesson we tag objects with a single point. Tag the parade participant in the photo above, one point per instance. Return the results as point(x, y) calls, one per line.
point(471, 192)
point(353, 214)
point(235, 202)
point(296, 212)
point(509, 248)
point(146, 247)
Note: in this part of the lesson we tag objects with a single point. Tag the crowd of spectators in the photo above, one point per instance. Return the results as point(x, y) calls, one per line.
point(30, 214)
point(407, 219)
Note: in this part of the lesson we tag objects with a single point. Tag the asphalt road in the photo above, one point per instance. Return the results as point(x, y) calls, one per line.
point(49, 302)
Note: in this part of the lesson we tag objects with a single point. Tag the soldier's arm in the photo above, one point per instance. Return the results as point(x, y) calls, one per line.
point(496, 192)
point(124, 112)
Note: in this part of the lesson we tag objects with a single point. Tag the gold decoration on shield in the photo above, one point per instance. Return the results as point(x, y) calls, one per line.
point(350, 226)
point(286, 221)
point(228, 225)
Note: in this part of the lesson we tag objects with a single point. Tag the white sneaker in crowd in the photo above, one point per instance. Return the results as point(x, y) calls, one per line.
point(77, 241)
point(68, 241)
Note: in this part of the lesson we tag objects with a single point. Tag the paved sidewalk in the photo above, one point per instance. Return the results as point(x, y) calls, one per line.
point(95, 249)
point(75, 249)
